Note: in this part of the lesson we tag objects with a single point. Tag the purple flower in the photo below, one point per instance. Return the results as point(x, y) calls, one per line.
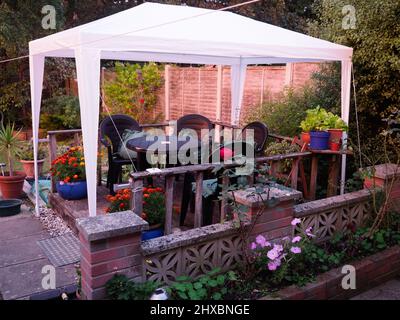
point(295, 250)
point(253, 246)
point(278, 247)
point(260, 239)
point(308, 232)
point(296, 239)
point(295, 221)
point(273, 254)
point(273, 265)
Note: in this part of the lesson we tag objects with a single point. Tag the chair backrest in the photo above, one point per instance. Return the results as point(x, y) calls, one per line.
point(196, 122)
point(260, 134)
point(122, 122)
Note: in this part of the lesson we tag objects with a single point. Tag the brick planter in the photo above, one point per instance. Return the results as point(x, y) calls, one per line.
point(109, 244)
point(370, 272)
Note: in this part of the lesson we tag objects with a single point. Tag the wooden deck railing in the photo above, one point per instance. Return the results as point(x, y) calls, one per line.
point(170, 174)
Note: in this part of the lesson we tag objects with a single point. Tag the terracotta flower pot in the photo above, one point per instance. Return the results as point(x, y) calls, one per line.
point(335, 135)
point(305, 137)
point(11, 187)
point(335, 146)
point(29, 167)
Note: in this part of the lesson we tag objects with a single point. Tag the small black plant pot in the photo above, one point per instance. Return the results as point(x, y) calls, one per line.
point(10, 207)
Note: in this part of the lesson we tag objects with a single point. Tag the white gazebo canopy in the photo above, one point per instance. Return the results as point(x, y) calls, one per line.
point(174, 34)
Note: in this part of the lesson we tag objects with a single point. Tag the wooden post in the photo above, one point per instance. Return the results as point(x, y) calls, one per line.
point(137, 196)
point(224, 201)
point(77, 140)
point(166, 92)
point(295, 173)
point(198, 211)
point(333, 176)
point(169, 202)
point(313, 178)
point(53, 155)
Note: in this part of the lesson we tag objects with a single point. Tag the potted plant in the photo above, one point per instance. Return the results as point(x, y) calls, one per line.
point(335, 144)
point(153, 209)
point(305, 132)
point(317, 122)
point(69, 171)
point(27, 161)
point(11, 182)
point(336, 128)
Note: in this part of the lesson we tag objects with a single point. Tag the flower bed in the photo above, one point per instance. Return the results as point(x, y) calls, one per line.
point(298, 268)
point(370, 272)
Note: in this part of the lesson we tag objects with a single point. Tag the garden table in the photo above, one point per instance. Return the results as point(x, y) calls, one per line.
point(333, 171)
point(160, 145)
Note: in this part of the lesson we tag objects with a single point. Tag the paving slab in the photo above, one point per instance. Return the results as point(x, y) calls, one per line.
point(387, 291)
point(22, 260)
point(25, 280)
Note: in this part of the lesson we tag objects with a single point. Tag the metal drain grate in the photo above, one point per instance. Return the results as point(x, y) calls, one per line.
point(61, 250)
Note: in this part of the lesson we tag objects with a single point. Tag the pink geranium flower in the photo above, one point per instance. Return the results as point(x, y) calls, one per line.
point(273, 254)
point(295, 221)
point(273, 265)
point(296, 239)
point(295, 250)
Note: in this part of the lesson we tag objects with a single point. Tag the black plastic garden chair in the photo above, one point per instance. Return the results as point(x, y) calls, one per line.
point(111, 130)
point(260, 135)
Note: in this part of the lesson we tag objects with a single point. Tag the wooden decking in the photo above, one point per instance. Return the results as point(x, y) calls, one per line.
point(69, 211)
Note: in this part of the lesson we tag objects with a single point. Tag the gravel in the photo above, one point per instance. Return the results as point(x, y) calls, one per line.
point(53, 223)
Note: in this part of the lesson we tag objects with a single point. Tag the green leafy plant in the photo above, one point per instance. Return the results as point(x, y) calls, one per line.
point(121, 288)
point(133, 91)
point(211, 286)
point(60, 112)
point(317, 119)
point(10, 144)
point(335, 122)
point(27, 152)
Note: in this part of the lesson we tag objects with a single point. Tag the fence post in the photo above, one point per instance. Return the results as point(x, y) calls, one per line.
point(53, 155)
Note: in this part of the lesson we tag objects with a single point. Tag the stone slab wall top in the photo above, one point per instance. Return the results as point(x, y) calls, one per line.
point(385, 171)
point(111, 225)
point(249, 198)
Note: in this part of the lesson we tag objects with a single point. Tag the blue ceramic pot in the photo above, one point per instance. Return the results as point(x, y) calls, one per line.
point(72, 190)
point(319, 140)
point(152, 233)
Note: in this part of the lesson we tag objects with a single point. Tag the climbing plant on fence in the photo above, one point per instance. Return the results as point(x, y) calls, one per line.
point(133, 91)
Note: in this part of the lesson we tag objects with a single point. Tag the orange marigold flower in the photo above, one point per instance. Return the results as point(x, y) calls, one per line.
point(75, 176)
point(146, 195)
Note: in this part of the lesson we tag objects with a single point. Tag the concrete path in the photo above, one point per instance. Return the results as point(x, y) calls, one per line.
point(387, 291)
point(22, 260)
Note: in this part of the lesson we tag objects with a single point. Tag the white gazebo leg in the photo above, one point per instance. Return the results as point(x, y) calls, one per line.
point(238, 77)
point(88, 73)
point(36, 69)
point(345, 108)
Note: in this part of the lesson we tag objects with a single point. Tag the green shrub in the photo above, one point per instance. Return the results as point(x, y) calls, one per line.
point(211, 286)
point(133, 91)
point(284, 116)
point(60, 112)
point(121, 288)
